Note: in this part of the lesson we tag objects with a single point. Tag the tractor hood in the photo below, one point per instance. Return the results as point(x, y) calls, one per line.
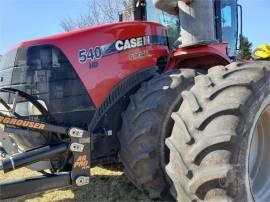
point(99, 34)
point(99, 57)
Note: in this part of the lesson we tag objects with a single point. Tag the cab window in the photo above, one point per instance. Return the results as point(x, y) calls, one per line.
point(228, 23)
point(170, 22)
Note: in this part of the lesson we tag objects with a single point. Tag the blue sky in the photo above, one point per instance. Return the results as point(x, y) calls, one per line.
point(22, 20)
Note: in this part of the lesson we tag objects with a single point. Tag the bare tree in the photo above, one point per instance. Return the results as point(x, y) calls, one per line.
point(98, 12)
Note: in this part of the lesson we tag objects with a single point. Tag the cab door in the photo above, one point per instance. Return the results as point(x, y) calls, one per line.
point(227, 24)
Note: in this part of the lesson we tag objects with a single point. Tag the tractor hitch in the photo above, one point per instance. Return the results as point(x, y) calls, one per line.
point(79, 146)
point(23, 159)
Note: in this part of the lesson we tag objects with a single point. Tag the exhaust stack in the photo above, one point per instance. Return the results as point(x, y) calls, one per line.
point(196, 16)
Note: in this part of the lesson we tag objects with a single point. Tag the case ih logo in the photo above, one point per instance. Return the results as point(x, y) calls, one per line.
point(95, 53)
point(130, 43)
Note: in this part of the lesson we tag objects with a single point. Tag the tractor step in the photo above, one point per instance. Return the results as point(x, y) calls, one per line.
point(34, 185)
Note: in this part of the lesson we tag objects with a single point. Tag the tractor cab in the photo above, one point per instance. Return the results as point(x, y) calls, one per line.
point(226, 21)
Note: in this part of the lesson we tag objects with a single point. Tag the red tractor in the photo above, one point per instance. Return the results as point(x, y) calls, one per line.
point(136, 92)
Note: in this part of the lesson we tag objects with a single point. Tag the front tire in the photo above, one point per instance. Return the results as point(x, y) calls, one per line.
point(146, 123)
point(213, 134)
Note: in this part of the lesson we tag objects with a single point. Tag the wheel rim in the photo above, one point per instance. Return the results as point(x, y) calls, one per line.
point(259, 158)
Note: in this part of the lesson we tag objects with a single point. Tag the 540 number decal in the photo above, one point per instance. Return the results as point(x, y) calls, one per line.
point(91, 54)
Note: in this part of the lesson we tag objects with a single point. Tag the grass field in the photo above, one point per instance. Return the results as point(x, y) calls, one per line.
point(106, 184)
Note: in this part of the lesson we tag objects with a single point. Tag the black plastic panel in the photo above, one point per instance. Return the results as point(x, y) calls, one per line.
point(44, 72)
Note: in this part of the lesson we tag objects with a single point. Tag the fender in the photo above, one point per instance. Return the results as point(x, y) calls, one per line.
point(201, 55)
point(107, 120)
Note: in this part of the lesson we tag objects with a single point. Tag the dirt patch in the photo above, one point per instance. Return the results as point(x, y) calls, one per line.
point(106, 184)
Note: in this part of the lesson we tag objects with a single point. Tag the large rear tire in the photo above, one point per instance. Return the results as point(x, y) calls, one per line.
point(146, 123)
point(212, 152)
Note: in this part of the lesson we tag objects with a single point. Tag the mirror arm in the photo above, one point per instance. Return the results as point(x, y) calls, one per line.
point(240, 19)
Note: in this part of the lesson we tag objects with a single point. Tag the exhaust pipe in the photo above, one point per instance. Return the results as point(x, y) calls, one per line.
point(23, 159)
point(169, 6)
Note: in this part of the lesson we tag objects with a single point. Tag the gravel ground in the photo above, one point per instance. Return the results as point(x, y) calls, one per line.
point(106, 184)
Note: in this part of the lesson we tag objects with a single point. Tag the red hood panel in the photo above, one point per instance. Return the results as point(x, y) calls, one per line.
point(114, 67)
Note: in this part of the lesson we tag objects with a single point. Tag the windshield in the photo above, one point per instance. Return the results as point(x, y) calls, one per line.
point(170, 22)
